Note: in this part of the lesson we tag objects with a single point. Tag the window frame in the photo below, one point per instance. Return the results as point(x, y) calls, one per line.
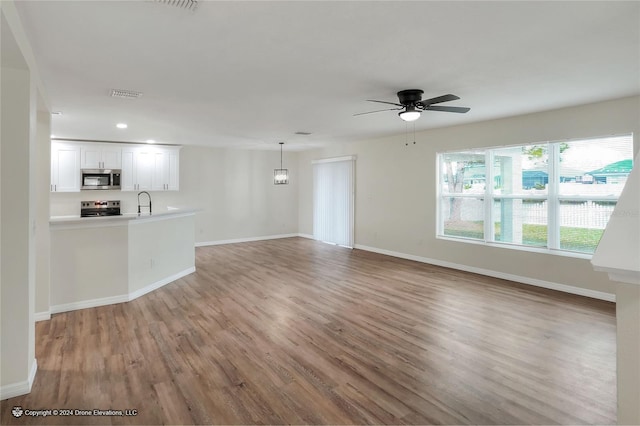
point(553, 197)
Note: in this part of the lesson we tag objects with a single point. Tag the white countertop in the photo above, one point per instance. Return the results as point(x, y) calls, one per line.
point(123, 219)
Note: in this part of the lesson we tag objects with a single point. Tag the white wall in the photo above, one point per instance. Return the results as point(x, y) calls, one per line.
point(14, 232)
point(17, 237)
point(232, 189)
point(235, 192)
point(42, 158)
point(88, 264)
point(628, 352)
point(396, 188)
point(159, 249)
point(108, 261)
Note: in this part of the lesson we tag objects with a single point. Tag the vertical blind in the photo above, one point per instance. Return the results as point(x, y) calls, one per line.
point(333, 200)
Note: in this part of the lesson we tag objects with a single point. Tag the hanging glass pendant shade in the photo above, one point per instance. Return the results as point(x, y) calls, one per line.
point(280, 176)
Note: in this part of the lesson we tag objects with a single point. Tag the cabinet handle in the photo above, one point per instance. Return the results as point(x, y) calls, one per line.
point(55, 188)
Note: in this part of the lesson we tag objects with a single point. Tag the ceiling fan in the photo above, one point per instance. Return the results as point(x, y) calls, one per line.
point(411, 104)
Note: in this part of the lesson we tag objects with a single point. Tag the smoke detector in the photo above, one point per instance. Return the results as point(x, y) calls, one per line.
point(191, 5)
point(126, 94)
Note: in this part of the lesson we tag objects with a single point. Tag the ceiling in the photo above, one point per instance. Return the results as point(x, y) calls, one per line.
point(251, 74)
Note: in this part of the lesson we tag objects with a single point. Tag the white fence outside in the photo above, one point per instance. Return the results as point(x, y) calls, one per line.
point(587, 214)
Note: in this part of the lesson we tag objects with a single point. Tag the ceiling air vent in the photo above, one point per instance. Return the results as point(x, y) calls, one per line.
point(303, 133)
point(191, 5)
point(126, 94)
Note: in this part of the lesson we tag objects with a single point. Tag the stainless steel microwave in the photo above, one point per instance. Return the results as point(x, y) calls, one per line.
point(100, 179)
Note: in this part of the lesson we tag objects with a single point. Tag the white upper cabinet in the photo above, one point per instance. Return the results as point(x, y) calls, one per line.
point(144, 167)
point(65, 167)
point(172, 165)
point(100, 156)
point(127, 178)
point(150, 168)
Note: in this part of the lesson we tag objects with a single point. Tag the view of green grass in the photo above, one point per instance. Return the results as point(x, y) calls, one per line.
point(573, 239)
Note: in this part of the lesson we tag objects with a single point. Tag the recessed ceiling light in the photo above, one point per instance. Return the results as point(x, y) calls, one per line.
point(150, 141)
point(121, 125)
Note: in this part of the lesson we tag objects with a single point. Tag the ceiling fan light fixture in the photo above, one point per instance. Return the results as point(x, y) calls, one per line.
point(411, 103)
point(410, 114)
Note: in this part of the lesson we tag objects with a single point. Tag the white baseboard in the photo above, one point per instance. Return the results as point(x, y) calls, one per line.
point(161, 283)
point(94, 303)
point(91, 303)
point(309, 236)
point(21, 388)
point(511, 277)
point(42, 316)
point(244, 240)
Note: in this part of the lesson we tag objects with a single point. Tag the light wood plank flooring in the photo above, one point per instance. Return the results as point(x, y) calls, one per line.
point(296, 331)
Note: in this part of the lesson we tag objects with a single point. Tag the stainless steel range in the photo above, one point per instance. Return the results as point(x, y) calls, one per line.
point(100, 208)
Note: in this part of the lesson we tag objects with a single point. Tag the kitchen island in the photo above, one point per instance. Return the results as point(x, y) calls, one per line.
point(104, 260)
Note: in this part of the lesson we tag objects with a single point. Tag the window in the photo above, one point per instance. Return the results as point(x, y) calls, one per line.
point(556, 195)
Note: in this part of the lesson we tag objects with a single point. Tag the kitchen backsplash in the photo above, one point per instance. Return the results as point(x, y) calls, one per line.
point(68, 203)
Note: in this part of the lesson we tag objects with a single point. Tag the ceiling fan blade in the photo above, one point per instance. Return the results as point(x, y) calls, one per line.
point(385, 102)
point(460, 110)
point(438, 99)
point(380, 110)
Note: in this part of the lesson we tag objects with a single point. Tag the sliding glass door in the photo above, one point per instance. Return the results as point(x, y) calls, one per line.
point(333, 200)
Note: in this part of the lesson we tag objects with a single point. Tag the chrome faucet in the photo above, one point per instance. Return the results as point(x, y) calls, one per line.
point(148, 195)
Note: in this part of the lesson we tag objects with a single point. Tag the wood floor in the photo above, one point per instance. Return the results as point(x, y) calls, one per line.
point(295, 331)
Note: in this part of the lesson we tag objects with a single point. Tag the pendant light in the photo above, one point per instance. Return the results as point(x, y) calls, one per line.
point(280, 176)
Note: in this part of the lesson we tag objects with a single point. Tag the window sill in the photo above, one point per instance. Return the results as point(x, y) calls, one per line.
point(540, 250)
